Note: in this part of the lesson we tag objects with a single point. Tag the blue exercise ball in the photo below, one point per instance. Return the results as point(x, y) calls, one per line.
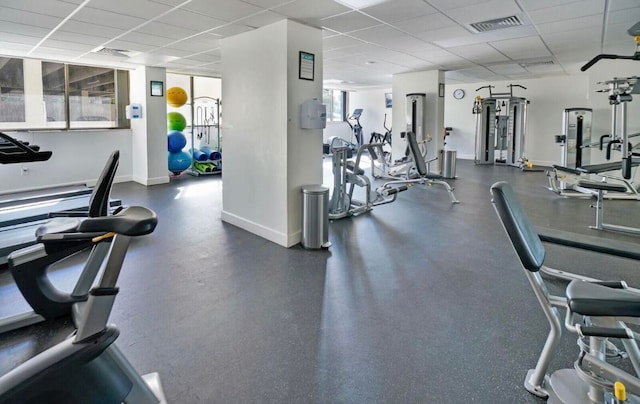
point(176, 141)
point(178, 162)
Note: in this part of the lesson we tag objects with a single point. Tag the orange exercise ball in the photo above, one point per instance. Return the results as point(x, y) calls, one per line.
point(176, 97)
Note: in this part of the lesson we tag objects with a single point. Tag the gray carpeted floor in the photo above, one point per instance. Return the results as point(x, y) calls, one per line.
point(420, 301)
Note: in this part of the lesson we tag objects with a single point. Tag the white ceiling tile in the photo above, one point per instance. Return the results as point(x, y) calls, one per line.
point(593, 22)
point(15, 49)
point(567, 40)
point(446, 33)
point(75, 38)
point(196, 22)
point(19, 39)
point(484, 11)
point(203, 58)
point(50, 7)
point(340, 41)
point(171, 3)
point(261, 19)
point(480, 53)
point(72, 46)
point(348, 22)
point(531, 5)
point(199, 43)
point(510, 68)
point(139, 8)
point(151, 40)
point(451, 4)
point(230, 30)
point(544, 68)
point(166, 31)
point(489, 36)
point(151, 59)
point(528, 47)
point(29, 30)
point(268, 4)
point(337, 53)
point(622, 4)
point(79, 27)
point(567, 11)
point(29, 18)
point(425, 23)
point(398, 10)
point(627, 16)
point(402, 43)
point(130, 46)
point(107, 18)
point(377, 33)
point(227, 10)
point(173, 52)
point(311, 11)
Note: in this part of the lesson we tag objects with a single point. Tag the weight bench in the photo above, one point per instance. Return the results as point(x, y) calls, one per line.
point(600, 188)
point(425, 177)
point(561, 187)
point(593, 310)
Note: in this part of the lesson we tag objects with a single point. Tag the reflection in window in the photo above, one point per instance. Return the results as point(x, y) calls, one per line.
point(53, 91)
point(92, 97)
point(11, 90)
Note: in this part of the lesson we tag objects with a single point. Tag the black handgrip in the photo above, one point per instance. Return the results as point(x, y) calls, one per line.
point(597, 59)
point(402, 188)
point(626, 168)
point(594, 331)
point(608, 155)
point(602, 138)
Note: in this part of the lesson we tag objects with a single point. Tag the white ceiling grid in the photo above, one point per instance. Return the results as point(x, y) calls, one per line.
point(365, 41)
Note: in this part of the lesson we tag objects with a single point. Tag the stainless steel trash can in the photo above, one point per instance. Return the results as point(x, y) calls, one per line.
point(315, 216)
point(448, 163)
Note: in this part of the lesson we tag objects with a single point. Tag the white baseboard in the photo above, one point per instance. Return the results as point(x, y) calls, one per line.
point(152, 181)
point(262, 231)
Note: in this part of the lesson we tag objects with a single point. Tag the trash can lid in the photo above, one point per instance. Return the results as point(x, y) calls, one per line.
point(314, 189)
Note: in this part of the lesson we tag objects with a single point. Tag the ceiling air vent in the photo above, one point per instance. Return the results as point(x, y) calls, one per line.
point(122, 53)
point(498, 23)
point(536, 63)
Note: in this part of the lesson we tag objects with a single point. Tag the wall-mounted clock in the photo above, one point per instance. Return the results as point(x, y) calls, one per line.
point(458, 94)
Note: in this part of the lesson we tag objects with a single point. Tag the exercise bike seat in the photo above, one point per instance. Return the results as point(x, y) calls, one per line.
point(131, 221)
point(592, 299)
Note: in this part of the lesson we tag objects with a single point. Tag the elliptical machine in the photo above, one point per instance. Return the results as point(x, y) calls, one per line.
point(356, 128)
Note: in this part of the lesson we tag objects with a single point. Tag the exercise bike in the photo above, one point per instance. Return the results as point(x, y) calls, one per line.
point(87, 366)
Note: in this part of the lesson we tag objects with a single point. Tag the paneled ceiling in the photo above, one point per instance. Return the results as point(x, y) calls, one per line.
point(365, 41)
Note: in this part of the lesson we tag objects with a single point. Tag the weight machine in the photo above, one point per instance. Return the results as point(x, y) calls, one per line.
point(501, 122)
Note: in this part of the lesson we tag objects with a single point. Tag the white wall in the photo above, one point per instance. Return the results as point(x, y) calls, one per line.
point(373, 104)
point(266, 157)
point(548, 96)
point(418, 82)
point(337, 128)
point(78, 157)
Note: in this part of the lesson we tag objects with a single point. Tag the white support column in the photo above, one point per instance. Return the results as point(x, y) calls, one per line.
point(267, 157)
point(149, 134)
